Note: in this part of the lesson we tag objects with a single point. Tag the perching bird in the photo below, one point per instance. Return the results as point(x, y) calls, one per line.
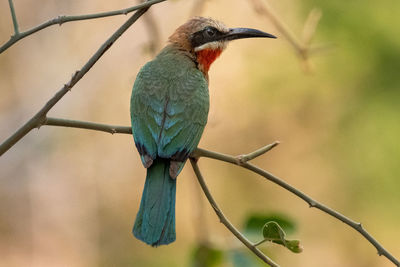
point(169, 109)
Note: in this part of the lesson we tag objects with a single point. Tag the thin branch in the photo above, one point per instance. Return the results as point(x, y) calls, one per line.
point(14, 17)
point(199, 152)
point(112, 129)
point(247, 157)
point(64, 19)
point(310, 26)
point(266, 10)
point(225, 221)
point(302, 47)
point(40, 117)
point(311, 202)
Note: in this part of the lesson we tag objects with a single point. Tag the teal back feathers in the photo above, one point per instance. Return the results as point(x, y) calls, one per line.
point(169, 105)
point(169, 109)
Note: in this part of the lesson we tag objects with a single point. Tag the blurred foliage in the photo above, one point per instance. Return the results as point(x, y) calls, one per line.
point(204, 255)
point(365, 74)
point(240, 258)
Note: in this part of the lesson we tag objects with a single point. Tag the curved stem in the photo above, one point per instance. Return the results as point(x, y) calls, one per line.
point(225, 221)
point(64, 19)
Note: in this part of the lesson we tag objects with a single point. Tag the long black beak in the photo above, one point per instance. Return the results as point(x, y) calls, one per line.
point(240, 33)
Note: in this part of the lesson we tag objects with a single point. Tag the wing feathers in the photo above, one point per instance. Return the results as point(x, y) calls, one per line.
point(169, 109)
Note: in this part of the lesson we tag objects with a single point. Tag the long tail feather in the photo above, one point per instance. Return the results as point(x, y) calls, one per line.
point(155, 221)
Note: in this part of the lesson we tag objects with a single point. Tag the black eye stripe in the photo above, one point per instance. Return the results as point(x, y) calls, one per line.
point(206, 35)
point(210, 31)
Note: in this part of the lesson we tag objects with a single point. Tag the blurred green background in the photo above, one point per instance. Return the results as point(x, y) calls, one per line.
point(69, 197)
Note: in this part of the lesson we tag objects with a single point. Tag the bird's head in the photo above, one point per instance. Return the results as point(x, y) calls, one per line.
point(206, 38)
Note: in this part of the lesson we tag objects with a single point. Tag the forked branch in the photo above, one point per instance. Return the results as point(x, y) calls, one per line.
point(302, 47)
point(40, 117)
point(64, 19)
point(225, 221)
point(311, 202)
point(238, 160)
point(14, 18)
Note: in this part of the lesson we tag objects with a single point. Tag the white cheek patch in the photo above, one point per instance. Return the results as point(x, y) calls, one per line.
point(221, 45)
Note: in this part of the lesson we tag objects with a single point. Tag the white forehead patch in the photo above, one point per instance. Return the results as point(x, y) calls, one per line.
point(220, 45)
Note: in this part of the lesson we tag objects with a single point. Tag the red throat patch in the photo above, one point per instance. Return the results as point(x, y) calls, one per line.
point(207, 56)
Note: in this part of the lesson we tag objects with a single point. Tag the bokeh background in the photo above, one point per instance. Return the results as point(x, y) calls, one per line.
point(69, 196)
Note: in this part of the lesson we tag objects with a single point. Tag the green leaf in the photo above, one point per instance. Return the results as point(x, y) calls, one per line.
point(294, 246)
point(273, 232)
point(256, 221)
point(205, 255)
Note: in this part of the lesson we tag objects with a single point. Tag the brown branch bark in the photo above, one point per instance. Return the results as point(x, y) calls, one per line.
point(198, 153)
point(64, 19)
point(40, 117)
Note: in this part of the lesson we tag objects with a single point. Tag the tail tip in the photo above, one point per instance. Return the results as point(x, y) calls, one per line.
point(163, 240)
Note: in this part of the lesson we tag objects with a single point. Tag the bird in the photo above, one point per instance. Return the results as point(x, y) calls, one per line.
point(169, 110)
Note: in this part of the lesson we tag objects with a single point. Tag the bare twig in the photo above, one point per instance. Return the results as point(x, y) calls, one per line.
point(198, 153)
point(303, 46)
point(64, 19)
point(225, 221)
point(247, 157)
point(310, 26)
point(14, 17)
point(39, 118)
point(265, 10)
point(112, 129)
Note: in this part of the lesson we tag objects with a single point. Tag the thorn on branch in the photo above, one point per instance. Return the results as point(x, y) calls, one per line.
point(312, 204)
point(240, 160)
point(73, 80)
point(41, 121)
point(60, 19)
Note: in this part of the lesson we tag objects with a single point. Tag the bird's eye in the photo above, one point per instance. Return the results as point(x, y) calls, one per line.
point(210, 32)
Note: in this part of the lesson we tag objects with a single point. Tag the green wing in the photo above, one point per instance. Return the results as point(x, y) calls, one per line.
point(186, 116)
point(169, 108)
